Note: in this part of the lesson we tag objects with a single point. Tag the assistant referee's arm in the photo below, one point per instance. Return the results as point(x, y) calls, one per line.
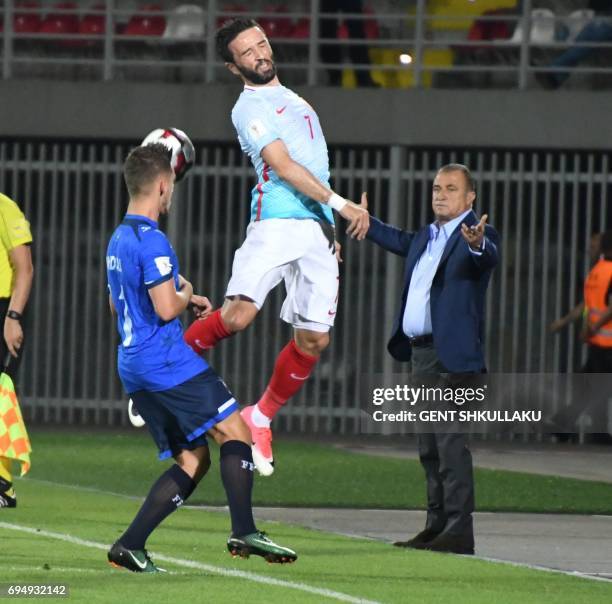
point(21, 261)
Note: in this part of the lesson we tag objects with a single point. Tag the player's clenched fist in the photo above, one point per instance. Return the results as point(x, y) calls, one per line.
point(358, 217)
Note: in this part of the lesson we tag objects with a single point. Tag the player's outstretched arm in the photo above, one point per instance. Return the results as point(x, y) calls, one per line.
point(169, 302)
point(277, 157)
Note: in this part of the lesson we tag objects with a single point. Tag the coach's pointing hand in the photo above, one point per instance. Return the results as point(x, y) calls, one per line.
point(474, 235)
point(358, 217)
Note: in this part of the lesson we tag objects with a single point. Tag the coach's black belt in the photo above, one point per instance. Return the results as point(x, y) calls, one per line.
point(421, 340)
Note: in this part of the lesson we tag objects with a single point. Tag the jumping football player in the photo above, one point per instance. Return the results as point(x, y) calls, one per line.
point(291, 234)
point(176, 392)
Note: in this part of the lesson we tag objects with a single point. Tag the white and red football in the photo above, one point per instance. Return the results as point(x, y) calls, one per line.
point(182, 151)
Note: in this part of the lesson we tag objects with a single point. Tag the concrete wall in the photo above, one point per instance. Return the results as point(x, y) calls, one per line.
point(500, 118)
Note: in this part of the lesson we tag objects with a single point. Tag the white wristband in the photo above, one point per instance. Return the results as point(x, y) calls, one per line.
point(335, 202)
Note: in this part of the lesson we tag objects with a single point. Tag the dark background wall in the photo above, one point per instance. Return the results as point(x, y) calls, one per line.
point(449, 118)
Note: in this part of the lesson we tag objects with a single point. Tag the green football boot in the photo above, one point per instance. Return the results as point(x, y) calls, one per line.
point(136, 560)
point(260, 545)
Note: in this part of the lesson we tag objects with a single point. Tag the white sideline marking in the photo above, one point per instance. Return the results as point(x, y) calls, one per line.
point(52, 569)
point(69, 569)
point(547, 569)
point(218, 570)
point(570, 573)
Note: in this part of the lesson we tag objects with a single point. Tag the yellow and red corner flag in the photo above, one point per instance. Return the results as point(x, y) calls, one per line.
point(14, 440)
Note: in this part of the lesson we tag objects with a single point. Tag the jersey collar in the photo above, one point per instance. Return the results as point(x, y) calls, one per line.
point(137, 219)
point(248, 88)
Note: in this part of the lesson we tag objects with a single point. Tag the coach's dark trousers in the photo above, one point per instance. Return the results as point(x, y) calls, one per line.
point(447, 462)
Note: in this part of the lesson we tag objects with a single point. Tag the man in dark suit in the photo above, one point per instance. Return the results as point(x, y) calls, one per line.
point(440, 329)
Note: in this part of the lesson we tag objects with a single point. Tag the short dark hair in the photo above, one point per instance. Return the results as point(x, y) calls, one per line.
point(605, 245)
point(228, 31)
point(145, 164)
point(469, 179)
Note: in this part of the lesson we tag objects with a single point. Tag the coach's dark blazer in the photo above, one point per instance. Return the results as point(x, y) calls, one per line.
point(457, 293)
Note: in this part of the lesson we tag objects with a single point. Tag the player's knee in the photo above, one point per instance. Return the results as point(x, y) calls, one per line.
point(201, 469)
point(237, 318)
point(194, 463)
point(233, 428)
point(322, 342)
point(314, 343)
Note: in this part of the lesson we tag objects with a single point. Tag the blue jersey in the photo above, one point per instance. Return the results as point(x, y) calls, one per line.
point(267, 113)
point(152, 354)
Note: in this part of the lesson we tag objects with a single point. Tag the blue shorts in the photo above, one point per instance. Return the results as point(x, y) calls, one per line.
point(178, 418)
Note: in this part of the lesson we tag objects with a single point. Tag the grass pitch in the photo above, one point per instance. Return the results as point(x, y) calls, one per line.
point(307, 475)
point(59, 533)
point(330, 568)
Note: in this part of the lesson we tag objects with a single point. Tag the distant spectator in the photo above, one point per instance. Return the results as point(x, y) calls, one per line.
point(332, 53)
point(578, 311)
point(597, 30)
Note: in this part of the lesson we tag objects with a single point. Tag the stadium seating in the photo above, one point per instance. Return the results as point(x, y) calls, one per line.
point(27, 23)
point(147, 22)
point(275, 24)
point(576, 21)
point(542, 27)
point(231, 8)
point(94, 24)
point(301, 31)
point(185, 24)
point(403, 77)
point(61, 24)
point(370, 27)
point(489, 29)
point(459, 14)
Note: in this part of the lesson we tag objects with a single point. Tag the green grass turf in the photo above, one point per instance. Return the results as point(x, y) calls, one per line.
point(306, 475)
point(360, 568)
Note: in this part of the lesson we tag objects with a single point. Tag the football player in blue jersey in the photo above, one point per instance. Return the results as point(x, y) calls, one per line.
point(291, 235)
point(176, 392)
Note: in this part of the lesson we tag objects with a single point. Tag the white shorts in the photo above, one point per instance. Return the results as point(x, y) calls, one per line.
point(298, 252)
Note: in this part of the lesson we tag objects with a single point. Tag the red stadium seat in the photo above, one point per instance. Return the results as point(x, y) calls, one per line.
point(370, 26)
point(301, 31)
point(275, 24)
point(61, 23)
point(232, 8)
point(146, 22)
point(27, 23)
point(484, 29)
point(94, 24)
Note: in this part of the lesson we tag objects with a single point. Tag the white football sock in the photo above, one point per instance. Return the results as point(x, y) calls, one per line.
point(259, 419)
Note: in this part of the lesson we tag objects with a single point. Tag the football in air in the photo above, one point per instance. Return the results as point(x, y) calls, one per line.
point(180, 147)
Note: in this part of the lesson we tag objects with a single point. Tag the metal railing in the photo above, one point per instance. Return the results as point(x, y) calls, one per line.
point(402, 50)
point(544, 204)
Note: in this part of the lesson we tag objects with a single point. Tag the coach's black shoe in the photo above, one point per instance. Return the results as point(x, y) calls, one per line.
point(260, 545)
point(136, 560)
point(452, 544)
point(8, 499)
point(422, 538)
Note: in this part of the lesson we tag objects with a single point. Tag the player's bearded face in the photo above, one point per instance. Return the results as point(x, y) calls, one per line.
point(264, 71)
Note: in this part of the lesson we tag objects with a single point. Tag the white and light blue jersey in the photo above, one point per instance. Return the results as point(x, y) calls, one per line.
point(267, 113)
point(152, 353)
